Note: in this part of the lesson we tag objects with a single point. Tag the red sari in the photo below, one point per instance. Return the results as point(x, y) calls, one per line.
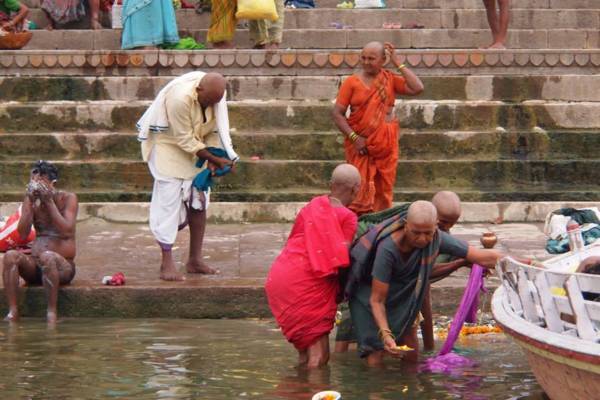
point(370, 105)
point(302, 284)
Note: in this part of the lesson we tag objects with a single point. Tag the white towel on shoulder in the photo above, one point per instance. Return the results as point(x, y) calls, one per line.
point(155, 118)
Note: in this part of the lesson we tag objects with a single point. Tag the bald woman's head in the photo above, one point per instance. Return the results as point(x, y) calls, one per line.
point(211, 89)
point(448, 207)
point(376, 47)
point(372, 58)
point(422, 212)
point(345, 183)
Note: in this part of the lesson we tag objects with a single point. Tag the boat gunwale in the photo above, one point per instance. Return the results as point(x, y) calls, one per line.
point(542, 338)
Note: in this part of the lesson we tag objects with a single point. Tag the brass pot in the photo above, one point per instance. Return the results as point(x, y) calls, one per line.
point(488, 240)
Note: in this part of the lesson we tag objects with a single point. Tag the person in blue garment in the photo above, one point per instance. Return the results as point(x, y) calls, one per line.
point(148, 23)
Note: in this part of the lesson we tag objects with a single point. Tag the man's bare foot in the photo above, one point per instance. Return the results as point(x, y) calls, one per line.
point(497, 46)
point(12, 317)
point(200, 268)
point(96, 25)
point(168, 272)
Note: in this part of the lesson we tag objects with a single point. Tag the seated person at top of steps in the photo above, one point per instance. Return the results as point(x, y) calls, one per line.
point(498, 21)
point(371, 130)
point(148, 23)
point(264, 34)
point(53, 213)
point(61, 12)
point(303, 284)
point(12, 15)
point(389, 276)
point(176, 130)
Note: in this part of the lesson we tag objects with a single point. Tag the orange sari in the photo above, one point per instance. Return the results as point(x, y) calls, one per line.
point(370, 107)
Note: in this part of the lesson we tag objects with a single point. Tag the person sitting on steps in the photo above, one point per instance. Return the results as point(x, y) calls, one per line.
point(53, 213)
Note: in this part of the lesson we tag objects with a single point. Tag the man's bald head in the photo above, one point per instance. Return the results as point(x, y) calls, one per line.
point(447, 204)
point(345, 175)
point(375, 46)
point(422, 212)
point(211, 89)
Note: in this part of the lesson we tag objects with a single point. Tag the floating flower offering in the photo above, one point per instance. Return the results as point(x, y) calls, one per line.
point(471, 330)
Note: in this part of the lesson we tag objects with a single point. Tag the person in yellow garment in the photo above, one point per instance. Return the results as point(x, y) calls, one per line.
point(264, 34)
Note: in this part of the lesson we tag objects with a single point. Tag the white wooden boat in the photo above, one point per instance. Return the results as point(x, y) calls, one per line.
point(544, 311)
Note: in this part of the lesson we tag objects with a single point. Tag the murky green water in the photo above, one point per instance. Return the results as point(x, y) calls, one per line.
point(221, 359)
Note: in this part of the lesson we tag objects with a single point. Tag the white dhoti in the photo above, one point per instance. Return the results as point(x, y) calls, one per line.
point(171, 200)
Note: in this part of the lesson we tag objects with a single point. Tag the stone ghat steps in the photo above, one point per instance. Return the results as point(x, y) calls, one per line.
point(132, 88)
point(443, 4)
point(452, 4)
point(551, 38)
point(288, 175)
point(298, 145)
point(249, 115)
point(322, 18)
point(323, 62)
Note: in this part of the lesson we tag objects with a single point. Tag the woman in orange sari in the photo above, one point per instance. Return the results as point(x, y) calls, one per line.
point(371, 130)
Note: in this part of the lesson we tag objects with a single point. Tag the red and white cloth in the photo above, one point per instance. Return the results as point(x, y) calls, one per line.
point(9, 236)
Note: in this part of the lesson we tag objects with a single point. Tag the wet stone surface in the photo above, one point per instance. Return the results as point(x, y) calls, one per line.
point(243, 253)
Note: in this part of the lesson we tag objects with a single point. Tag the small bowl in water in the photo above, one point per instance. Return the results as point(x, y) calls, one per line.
point(327, 395)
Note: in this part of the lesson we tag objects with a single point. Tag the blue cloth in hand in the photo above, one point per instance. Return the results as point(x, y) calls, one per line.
point(204, 180)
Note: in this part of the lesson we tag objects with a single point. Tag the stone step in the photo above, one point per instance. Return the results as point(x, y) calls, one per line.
point(298, 145)
point(443, 4)
point(529, 194)
point(322, 62)
point(108, 39)
point(486, 87)
point(274, 212)
point(257, 115)
point(287, 176)
point(321, 18)
point(452, 4)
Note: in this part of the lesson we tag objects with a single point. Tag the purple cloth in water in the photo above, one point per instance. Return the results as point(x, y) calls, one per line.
point(447, 362)
point(467, 309)
point(450, 363)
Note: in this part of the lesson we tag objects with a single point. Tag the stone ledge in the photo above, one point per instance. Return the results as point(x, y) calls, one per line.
point(277, 212)
point(180, 302)
point(342, 39)
point(278, 87)
point(292, 62)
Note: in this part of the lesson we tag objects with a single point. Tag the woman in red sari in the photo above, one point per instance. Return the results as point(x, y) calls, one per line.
point(303, 283)
point(371, 130)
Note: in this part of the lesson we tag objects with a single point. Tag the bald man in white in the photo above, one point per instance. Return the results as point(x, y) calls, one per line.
point(188, 117)
point(385, 307)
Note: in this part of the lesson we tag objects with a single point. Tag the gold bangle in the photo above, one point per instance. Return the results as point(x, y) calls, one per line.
point(383, 333)
point(401, 66)
point(353, 136)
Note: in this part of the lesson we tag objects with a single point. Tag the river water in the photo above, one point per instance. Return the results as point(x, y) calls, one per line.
point(227, 359)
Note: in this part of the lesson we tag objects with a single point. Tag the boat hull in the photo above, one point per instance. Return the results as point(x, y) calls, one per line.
point(562, 373)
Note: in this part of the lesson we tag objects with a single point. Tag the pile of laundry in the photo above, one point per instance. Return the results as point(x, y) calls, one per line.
point(588, 220)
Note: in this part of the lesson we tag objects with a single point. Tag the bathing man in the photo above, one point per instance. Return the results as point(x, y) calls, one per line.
point(53, 213)
point(177, 130)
